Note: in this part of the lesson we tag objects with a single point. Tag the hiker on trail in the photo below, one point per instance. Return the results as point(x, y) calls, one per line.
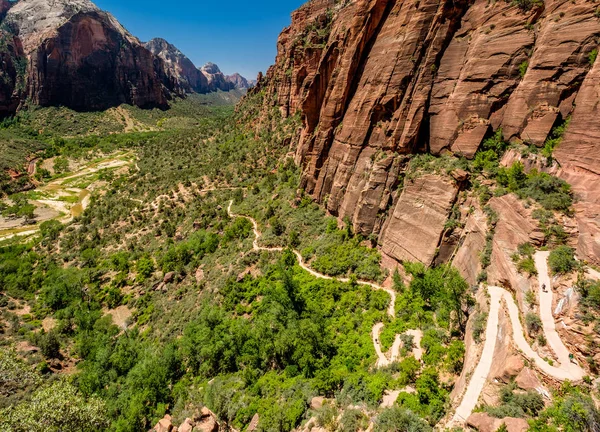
point(544, 287)
point(571, 358)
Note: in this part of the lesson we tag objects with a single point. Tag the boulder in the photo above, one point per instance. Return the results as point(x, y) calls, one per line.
point(205, 421)
point(528, 380)
point(169, 277)
point(317, 402)
point(484, 422)
point(512, 367)
point(516, 424)
point(187, 425)
point(164, 424)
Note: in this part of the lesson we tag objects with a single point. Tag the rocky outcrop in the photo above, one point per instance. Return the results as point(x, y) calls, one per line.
point(467, 259)
point(414, 229)
point(203, 421)
point(188, 77)
point(515, 226)
point(216, 78)
point(81, 57)
point(375, 80)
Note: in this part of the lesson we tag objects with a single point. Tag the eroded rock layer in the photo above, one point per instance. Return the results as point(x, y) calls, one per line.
point(378, 79)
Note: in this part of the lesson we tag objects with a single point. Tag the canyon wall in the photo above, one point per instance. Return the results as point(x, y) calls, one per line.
point(377, 80)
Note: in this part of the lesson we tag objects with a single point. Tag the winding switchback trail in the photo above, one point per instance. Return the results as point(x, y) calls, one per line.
point(566, 370)
point(391, 311)
point(382, 359)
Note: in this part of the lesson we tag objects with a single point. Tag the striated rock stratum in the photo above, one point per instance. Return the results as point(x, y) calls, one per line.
point(377, 80)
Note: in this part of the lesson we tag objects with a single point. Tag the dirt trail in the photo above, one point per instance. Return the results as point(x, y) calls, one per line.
point(393, 354)
point(566, 370)
point(382, 358)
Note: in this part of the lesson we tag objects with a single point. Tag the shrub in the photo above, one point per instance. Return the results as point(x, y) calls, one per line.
point(56, 408)
point(400, 419)
point(353, 420)
point(551, 192)
point(533, 323)
point(527, 265)
point(479, 325)
point(455, 357)
point(525, 65)
point(593, 56)
point(145, 268)
point(562, 260)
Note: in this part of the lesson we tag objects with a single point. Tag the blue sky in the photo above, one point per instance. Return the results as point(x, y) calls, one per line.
point(239, 36)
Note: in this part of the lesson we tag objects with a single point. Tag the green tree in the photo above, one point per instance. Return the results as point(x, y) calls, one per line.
point(562, 260)
point(145, 268)
point(50, 345)
point(56, 408)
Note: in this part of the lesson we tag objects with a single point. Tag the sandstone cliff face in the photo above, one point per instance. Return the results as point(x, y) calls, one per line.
point(189, 78)
point(414, 229)
point(81, 57)
point(378, 79)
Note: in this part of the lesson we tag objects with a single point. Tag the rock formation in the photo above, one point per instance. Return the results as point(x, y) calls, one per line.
point(189, 78)
point(216, 78)
point(202, 421)
point(81, 57)
point(377, 80)
point(238, 81)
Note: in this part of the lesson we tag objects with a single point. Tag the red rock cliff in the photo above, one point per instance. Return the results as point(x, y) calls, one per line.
point(378, 79)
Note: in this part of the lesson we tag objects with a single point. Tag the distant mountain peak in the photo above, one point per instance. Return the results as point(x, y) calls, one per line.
point(211, 68)
point(238, 81)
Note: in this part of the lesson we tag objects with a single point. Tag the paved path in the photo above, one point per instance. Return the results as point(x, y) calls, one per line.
point(572, 370)
point(480, 375)
point(566, 370)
